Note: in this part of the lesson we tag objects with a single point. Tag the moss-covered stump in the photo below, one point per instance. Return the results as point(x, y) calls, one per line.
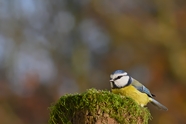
point(97, 107)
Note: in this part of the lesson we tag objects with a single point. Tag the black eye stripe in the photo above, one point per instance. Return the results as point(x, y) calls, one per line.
point(118, 77)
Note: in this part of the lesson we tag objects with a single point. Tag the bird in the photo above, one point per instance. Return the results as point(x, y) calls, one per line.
point(123, 84)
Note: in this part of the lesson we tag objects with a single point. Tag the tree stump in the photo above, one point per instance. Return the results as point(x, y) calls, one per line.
point(97, 107)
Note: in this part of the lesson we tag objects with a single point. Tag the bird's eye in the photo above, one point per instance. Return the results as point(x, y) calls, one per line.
point(118, 77)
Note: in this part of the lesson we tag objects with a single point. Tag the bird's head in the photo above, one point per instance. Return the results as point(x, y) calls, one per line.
point(119, 79)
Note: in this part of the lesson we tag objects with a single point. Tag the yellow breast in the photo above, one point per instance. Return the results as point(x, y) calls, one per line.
point(130, 91)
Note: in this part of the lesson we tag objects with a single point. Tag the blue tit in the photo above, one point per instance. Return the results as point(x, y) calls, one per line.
point(123, 84)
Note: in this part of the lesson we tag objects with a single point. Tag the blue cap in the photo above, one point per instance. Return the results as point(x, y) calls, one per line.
point(118, 72)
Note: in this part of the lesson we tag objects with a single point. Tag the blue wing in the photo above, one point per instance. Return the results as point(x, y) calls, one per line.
point(141, 88)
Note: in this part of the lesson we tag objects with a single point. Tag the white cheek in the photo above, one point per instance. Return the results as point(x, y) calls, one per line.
point(122, 81)
point(125, 79)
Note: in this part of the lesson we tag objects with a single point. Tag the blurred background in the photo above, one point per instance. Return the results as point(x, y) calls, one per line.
point(52, 47)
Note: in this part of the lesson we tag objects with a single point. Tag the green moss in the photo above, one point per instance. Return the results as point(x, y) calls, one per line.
point(122, 109)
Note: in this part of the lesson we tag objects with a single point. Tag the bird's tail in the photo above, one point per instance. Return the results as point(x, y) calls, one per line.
point(159, 105)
